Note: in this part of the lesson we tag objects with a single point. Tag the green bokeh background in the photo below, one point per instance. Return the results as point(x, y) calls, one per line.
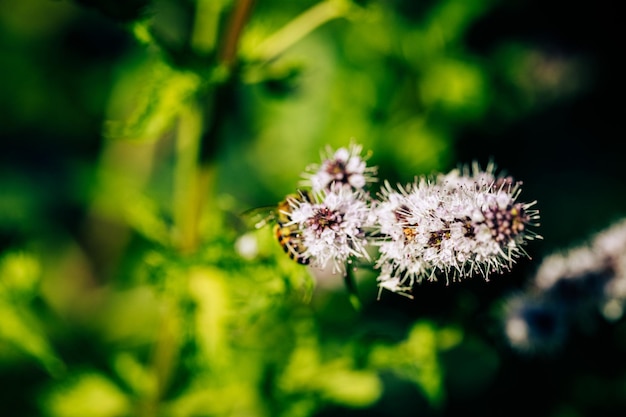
point(135, 133)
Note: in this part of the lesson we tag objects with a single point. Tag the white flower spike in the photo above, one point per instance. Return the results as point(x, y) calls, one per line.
point(457, 225)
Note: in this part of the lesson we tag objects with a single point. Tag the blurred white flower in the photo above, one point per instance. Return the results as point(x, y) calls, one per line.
point(247, 246)
point(569, 290)
point(534, 324)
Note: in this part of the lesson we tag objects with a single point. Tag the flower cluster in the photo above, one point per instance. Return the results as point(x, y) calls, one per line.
point(331, 226)
point(345, 167)
point(464, 223)
point(568, 291)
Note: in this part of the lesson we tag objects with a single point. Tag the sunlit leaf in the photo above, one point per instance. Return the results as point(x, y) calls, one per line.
point(147, 99)
point(333, 380)
point(21, 328)
point(23, 331)
point(136, 375)
point(417, 358)
point(19, 272)
point(88, 394)
point(208, 291)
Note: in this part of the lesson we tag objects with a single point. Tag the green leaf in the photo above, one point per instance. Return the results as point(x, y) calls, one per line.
point(88, 394)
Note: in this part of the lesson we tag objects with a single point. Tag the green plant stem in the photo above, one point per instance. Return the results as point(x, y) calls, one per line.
point(186, 181)
point(350, 282)
point(205, 28)
point(301, 26)
point(164, 357)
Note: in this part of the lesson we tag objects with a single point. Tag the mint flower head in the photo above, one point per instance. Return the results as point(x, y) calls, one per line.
point(467, 222)
point(332, 227)
point(344, 166)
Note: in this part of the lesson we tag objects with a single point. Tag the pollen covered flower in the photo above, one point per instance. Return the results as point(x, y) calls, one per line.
point(460, 224)
point(344, 166)
point(332, 226)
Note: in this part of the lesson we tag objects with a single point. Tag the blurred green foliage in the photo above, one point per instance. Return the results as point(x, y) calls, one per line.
point(135, 133)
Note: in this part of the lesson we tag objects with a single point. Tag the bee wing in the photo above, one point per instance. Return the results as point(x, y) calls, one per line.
point(259, 217)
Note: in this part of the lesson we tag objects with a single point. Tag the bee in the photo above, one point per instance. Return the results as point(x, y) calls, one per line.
point(288, 235)
point(408, 230)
